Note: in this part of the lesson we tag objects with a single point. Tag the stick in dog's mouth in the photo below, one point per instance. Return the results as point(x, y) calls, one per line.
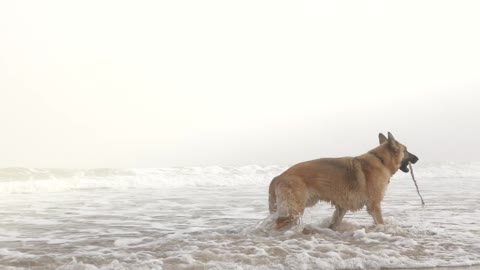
point(415, 182)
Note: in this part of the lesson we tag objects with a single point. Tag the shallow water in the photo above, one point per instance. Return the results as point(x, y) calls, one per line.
point(217, 218)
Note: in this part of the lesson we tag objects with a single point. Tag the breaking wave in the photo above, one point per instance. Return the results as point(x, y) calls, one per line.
point(27, 180)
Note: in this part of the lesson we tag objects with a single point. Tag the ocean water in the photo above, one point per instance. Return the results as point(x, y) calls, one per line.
point(217, 218)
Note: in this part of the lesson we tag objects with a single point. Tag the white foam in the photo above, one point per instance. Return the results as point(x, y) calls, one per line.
point(127, 242)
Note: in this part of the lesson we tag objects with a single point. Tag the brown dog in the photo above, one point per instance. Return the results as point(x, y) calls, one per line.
point(349, 183)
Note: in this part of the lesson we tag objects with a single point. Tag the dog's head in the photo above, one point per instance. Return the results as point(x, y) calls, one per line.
point(399, 151)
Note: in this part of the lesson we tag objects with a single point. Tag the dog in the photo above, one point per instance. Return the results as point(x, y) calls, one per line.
point(348, 183)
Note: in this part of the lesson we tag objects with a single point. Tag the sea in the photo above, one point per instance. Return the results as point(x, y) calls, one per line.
point(217, 218)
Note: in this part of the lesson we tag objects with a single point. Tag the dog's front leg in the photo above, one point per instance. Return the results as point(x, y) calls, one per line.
point(375, 210)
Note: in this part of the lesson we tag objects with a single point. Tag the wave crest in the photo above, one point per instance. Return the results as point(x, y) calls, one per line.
point(26, 180)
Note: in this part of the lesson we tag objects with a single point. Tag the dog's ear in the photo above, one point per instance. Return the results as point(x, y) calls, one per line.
point(382, 138)
point(392, 142)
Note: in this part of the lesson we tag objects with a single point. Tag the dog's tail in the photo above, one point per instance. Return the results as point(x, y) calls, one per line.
point(272, 197)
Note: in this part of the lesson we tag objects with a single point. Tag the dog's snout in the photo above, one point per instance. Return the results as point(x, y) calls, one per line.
point(413, 159)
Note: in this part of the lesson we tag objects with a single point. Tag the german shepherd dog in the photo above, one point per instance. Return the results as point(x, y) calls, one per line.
point(348, 183)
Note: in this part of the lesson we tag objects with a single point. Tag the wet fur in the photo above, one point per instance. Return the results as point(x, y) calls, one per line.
point(348, 183)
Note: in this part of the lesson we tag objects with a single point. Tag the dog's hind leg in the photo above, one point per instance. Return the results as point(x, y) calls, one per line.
point(291, 196)
point(337, 217)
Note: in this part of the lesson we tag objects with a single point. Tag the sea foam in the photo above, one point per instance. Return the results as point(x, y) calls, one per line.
point(217, 218)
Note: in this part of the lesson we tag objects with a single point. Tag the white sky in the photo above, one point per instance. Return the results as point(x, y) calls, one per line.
point(182, 83)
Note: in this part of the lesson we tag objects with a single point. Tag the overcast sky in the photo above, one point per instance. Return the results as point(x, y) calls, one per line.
point(187, 83)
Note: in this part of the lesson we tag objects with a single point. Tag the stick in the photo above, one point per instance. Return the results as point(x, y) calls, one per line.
point(414, 181)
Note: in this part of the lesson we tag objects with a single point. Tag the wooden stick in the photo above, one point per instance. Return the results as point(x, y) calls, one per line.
point(414, 181)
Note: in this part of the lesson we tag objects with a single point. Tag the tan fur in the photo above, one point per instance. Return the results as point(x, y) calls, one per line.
point(348, 183)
